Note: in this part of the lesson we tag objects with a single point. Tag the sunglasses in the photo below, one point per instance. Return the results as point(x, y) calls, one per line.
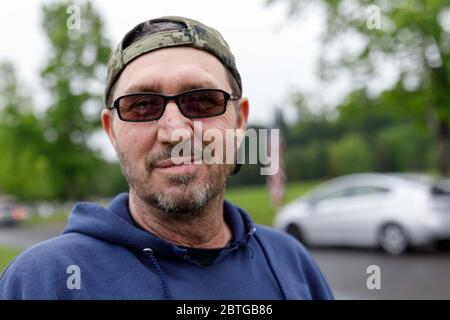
point(193, 104)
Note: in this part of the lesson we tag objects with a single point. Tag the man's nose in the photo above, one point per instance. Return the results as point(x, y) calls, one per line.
point(171, 120)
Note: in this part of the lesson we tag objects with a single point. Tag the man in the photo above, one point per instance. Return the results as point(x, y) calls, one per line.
point(173, 236)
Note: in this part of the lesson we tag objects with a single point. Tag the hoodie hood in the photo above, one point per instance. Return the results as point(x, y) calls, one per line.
point(114, 224)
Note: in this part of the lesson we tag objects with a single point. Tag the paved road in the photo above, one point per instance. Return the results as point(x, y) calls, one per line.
point(26, 236)
point(423, 275)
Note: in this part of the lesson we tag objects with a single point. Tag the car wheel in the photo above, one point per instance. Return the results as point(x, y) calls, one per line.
point(295, 231)
point(393, 239)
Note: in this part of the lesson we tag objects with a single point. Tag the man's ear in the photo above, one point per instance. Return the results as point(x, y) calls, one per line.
point(241, 123)
point(107, 123)
point(242, 114)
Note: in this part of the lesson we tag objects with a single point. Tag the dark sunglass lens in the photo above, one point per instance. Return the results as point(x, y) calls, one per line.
point(206, 103)
point(141, 107)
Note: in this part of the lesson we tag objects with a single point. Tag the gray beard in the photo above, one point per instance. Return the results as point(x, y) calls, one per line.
point(176, 208)
point(173, 206)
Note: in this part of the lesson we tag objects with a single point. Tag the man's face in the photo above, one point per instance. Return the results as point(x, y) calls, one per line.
point(144, 148)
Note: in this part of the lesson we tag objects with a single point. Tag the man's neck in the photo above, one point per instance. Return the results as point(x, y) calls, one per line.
point(207, 230)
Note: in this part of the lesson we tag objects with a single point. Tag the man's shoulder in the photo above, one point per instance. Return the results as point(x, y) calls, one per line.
point(287, 249)
point(278, 239)
point(44, 256)
point(293, 261)
point(41, 271)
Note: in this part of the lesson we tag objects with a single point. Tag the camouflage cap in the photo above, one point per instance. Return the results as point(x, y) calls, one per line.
point(195, 34)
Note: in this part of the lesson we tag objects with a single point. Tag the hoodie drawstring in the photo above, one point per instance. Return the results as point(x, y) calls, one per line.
point(165, 287)
point(272, 269)
point(164, 284)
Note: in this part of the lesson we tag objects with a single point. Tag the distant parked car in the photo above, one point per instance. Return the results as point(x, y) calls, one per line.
point(391, 211)
point(11, 212)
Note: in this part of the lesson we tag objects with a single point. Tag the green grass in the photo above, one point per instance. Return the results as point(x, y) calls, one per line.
point(6, 255)
point(256, 200)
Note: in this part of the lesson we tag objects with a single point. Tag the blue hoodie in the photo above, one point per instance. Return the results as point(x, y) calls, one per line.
point(103, 254)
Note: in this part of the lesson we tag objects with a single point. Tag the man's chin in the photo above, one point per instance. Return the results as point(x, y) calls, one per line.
point(177, 199)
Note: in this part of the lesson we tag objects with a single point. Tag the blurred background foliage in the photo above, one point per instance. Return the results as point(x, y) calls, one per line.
point(406, 127)
point(47, 154)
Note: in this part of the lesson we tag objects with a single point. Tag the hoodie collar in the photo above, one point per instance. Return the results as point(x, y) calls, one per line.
point(114, 224)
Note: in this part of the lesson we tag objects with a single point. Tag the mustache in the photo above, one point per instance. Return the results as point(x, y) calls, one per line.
point(166, 153)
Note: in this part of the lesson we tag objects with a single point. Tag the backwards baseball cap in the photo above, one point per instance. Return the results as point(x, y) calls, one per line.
point(195, 34)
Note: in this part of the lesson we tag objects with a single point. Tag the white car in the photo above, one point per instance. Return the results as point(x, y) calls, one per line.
point(391, 211)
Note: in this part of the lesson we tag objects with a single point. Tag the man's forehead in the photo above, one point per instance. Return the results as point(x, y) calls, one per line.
point(159, 86)
point(179, 68)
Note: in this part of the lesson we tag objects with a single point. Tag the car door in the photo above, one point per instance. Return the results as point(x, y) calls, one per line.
point(325, 213)
point(347, 216)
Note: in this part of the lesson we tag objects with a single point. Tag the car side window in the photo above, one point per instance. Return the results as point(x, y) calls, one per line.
point(332, 195)
point(366, 190)
point(351, 192)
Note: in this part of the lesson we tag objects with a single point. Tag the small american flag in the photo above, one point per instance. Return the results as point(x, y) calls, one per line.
point(276, 183)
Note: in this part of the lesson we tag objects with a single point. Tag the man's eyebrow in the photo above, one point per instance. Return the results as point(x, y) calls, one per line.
point(142, 88)
point(147, 87)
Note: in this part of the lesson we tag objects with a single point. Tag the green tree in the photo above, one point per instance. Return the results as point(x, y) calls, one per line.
point(399, 142)
point(414, 35)
point(349, 155)
point(74, 75)
point(24, 166)
point(402, 147)
point(306, 162)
